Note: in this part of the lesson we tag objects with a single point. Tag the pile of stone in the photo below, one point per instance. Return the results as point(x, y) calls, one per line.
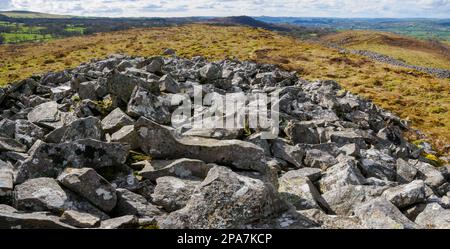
point(437, 72)
point(96, 147)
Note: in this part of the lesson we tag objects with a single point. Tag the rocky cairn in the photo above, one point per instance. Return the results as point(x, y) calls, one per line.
point(95, 147)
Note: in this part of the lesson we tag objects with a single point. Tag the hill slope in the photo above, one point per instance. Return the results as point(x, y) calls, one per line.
point(412, 51)
point(29, 14)
point(241, 20)
point(414, 96)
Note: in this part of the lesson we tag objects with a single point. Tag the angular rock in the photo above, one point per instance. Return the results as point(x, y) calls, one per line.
point(155, 65)
point(159, 142)
point(9, 144)
point(300, 192)
point(173, 193)
point(382, 214)
point(144, 103)
point(303, 133)
point(210, 72)
point(225, 200)
point(343, 200)
point(90, 185)
point(350, 150)
point(83, 128)
point(342, 174)
point(43, 113)
point(311, 173)
point(126, 135)
point(122, 85)
point(434, 217)
point(379, 165)
point(124, 222)
point(347, 137)
point(129, 203)
point(289, 153)
point(432, 176)
point(181, 168)
point(319, 159)
point(331, 221)
point(30, 221)
point(49, 160)
point(406, 195)
point(86, 90)
point(259, 141)
point(115, 121)
point(222, 134)
point(7, 128)
point(168, 84)
point(405, 171)
point(44, 194)
point(27, 133)
point(6, 178)
point(80, 220)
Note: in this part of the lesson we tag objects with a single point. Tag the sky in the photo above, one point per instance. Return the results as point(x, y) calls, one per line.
point(295, 8)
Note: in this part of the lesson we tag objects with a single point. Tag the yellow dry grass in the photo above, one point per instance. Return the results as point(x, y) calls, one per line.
point(420, 98)
point(407, 49)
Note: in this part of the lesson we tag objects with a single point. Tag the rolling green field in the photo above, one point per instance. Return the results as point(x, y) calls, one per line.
point(19, 32)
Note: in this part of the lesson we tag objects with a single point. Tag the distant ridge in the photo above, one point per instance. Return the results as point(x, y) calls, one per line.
point(245, 21)
point(31, 14)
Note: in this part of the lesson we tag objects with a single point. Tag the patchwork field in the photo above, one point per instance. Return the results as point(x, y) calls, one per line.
point(417, 97)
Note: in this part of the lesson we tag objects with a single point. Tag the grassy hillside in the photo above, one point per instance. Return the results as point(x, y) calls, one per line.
point(412, 51)
point(29, 14)
point(414, 96)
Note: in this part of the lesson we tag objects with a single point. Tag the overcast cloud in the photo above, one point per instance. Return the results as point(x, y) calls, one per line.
point(319, 8)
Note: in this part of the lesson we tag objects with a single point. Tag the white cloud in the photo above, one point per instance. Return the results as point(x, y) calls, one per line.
point(335, 8)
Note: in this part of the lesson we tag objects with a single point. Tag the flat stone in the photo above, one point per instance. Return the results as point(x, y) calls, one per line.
point(90, 185)
point(80, 220)
point(182, 168)
point(406, 195)
point(129, 203)
point(46, 112)
point(30, 221)
point(124, 222)
point(159, 142)
point(9, 144)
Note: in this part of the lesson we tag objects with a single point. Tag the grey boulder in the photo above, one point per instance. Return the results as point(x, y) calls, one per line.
point(49, 160)
point(115, 120)
point(90, 185)
point(225, 200)
point(173, 193)
point(44, 194)
point(160, 142)
point(382, 214)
